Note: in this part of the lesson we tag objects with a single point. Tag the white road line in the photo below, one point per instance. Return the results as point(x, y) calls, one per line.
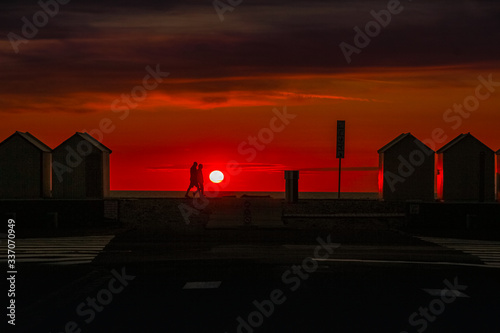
point(442, 263)
point(492, 247)
point(490, 258)
point(52, 254)
point(492, 264)
point(460, 241)
point(76, 246)
point(64, 263)
point(47, 260)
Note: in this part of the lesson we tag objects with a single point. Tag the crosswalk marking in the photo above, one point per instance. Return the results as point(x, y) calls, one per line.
point(487, 251)
point(58, 250)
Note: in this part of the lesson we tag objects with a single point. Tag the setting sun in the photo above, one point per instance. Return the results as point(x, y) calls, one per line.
point(216, 176)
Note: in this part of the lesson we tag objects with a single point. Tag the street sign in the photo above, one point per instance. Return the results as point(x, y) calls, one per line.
point(340, 138)
point(340, 146)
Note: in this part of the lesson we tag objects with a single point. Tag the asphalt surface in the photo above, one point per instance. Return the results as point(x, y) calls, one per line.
point(155, 278)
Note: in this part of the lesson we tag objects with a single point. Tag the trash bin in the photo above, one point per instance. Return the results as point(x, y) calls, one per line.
point(292, 186)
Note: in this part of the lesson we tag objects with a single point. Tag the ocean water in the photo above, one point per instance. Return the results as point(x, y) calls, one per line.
point(239, 194)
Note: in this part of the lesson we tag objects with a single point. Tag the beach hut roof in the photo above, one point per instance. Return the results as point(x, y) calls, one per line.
point(393, 142)
point(31, 139)
point(93, 141)
point(87, 137)
point(398, 139)
point(457, 140)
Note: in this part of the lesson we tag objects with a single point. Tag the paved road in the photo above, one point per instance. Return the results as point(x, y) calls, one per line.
point(265, 280)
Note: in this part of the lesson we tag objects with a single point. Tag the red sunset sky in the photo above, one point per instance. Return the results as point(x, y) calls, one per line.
point(227, 77)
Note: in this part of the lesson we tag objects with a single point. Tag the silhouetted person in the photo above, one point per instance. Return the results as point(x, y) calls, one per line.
point(199, 174)
point(193, 179)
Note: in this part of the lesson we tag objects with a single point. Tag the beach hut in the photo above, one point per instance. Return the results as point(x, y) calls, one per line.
point(406, 170)
point(25, 167)
point(81, 168)
point(466, 170)
point(498, 174)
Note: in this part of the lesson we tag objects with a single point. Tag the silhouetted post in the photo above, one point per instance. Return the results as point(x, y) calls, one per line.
point(292, 186)
point(340, 172)
point(482, 171)
point(340, 146)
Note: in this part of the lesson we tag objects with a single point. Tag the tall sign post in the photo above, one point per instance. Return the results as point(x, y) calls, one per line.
point(340, 146)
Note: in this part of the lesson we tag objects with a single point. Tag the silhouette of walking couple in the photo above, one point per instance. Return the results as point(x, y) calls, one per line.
point(196, 180)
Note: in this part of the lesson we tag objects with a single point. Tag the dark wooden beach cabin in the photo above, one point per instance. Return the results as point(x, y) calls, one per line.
point(498, 175)
point(466, 170)
point(406, 170)
point(25, 167)
point(81, 168)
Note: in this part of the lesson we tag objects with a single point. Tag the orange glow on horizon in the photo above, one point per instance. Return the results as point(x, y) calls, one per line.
point(184, 121)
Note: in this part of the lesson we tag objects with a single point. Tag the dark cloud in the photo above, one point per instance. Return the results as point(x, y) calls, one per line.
point(104, 46)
